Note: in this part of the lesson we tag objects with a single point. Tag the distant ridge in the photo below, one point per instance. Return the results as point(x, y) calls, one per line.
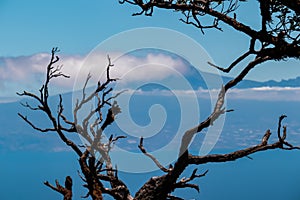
point(197, 80)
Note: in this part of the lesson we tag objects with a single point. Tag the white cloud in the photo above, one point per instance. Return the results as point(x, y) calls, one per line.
point(28, 72)
point(261, 93)
point(8, 99)
point(24, 72)
point(149, 68)
point(132, 141)
point(266, 93)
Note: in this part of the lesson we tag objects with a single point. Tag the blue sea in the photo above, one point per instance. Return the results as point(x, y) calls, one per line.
point(270, 175)
point(27, 158)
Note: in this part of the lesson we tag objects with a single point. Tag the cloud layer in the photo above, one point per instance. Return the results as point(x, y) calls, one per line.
point(260, 93)
point(28, 72)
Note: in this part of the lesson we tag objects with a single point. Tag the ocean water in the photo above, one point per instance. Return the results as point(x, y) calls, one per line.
point(27, 158)
point(270, 175)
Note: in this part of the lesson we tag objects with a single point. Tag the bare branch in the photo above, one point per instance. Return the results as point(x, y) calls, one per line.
point(112, 140)
point(184, 182)
point(281, 139)
point(218, 110)
point(263, 146)
point(142, 148)
point(35, 127)
point(65, 191)
point(28, 94)
point(232, 65)
point(277, 41)
point(27, 105)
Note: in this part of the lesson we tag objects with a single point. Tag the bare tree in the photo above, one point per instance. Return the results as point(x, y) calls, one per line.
point(277, 39)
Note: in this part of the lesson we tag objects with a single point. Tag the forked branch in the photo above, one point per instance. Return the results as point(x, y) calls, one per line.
point(263, 146)
point(66, 191)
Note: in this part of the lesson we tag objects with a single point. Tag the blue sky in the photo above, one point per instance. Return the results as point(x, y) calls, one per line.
point(32, 27)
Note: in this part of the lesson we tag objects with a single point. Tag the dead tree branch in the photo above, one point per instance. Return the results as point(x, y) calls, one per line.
point(142, 148)
point(65, 191)
point(278, 39)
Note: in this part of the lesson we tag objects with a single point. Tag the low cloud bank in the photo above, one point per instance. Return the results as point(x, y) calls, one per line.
point(260, 93)
point(28, 72)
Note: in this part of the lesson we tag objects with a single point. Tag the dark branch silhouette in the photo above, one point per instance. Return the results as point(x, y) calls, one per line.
point(65, 191)
point(278, 38)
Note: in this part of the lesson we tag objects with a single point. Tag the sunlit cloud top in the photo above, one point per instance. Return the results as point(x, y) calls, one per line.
point(28, 72)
